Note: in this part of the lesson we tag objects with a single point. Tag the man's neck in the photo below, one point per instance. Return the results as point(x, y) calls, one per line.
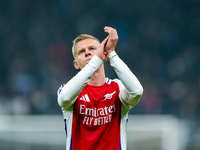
point(98, 78)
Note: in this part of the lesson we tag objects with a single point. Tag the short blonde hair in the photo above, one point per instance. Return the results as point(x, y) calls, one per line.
point(80, 38)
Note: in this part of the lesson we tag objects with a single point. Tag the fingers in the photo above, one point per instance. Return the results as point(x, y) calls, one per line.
point(109, 30)
point(103, 44)
point(100, 50)
point(112, 39)
point(112, 32)
point(108, 44)
point(105, 41)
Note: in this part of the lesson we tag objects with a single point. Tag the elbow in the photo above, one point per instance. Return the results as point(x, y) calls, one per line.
point(140, 92)
point(136, 98)
point(66, 100)
point(62, 101)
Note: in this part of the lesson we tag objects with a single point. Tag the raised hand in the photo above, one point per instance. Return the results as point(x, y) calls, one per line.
point(101, 50)
point(112, 39)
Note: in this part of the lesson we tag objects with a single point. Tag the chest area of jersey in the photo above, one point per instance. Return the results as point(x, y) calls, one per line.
point(98, 106)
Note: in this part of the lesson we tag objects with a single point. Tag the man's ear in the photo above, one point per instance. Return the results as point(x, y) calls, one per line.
point(76, 64)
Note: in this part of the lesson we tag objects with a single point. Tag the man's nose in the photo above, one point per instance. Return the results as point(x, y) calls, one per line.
point(87, 53)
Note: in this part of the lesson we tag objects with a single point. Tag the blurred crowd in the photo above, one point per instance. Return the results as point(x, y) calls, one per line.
point(158, 40)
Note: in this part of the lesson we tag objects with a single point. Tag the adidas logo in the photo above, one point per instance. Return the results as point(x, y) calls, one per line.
point(85, 98)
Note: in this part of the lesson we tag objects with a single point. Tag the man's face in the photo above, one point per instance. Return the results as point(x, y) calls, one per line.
point(84, 51)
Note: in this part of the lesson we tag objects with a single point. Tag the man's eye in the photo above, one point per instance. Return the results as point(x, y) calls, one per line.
point(92, 49)
point(81, 52)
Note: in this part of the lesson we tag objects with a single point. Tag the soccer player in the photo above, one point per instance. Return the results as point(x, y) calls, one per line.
point(95, 108)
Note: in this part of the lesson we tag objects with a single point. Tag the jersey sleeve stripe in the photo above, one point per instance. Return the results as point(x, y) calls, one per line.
point(65, 120)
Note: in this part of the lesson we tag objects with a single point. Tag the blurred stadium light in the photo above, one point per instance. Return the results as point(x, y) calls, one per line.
point(46, 132)
point(157, 132)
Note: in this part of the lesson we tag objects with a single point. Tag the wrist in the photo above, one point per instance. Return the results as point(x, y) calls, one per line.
point(98, 59)
point(111, 55)
point(110, 51)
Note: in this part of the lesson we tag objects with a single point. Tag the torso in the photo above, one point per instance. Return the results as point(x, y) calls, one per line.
point(96, 118)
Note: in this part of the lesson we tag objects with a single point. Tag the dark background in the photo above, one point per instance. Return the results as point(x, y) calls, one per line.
point(158, 40)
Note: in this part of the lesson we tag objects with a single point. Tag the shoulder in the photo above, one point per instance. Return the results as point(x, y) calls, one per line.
point(115, 82)
point(60, 89)
point(109, 81)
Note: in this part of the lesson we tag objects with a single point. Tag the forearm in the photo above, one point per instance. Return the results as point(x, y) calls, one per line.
point(71, 90)
point(128, 79)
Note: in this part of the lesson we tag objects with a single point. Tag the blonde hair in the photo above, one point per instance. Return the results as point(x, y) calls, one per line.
point(80, 38)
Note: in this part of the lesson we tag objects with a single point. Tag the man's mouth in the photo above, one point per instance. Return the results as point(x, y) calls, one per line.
point(87, 60)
